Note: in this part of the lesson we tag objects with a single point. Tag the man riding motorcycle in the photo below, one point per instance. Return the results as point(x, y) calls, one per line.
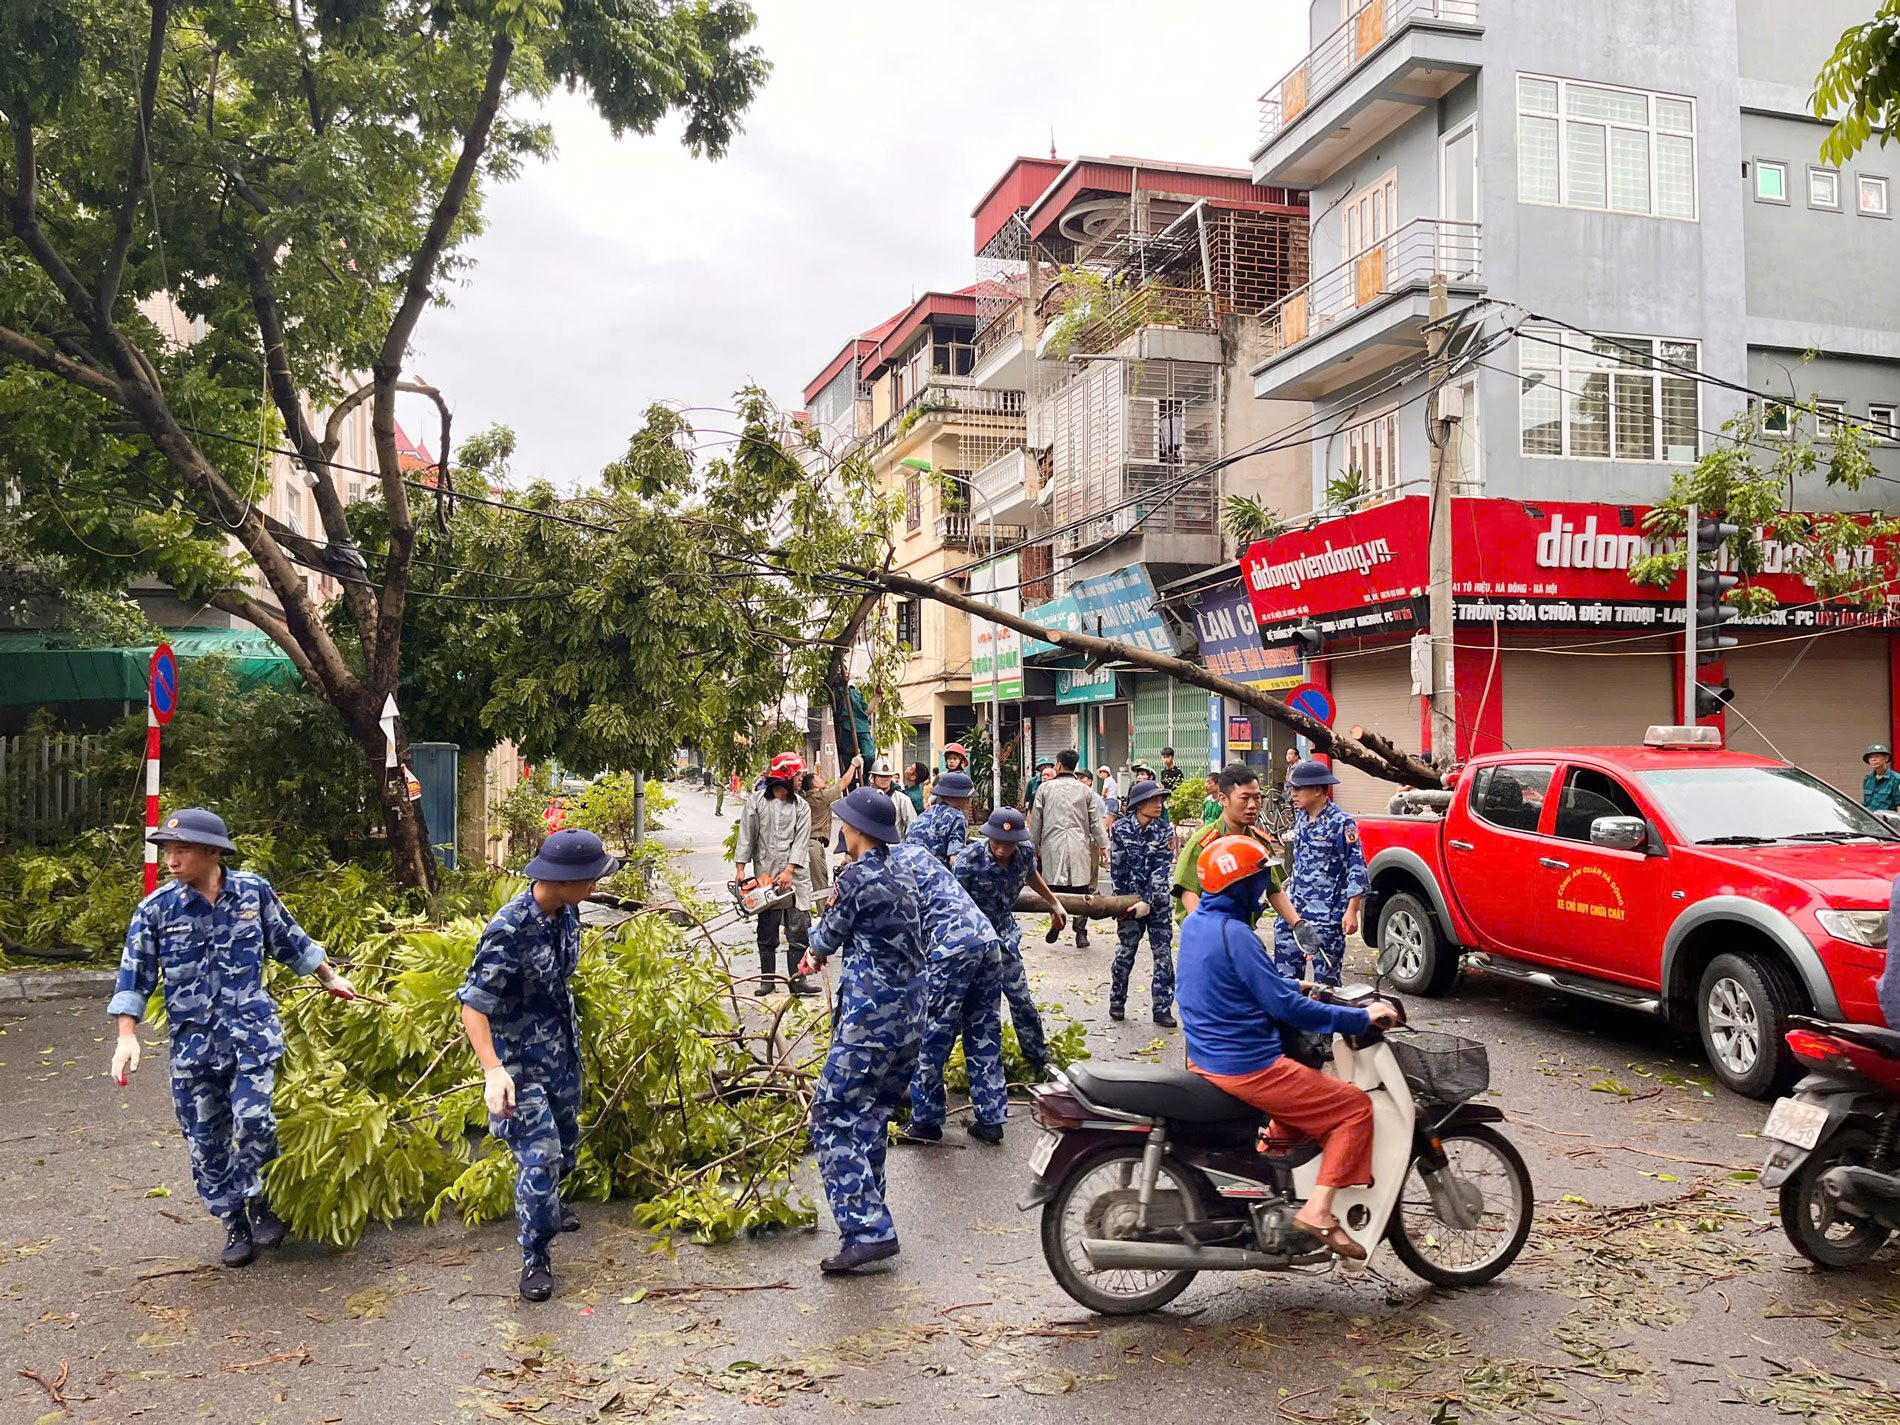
point(1234, 1007)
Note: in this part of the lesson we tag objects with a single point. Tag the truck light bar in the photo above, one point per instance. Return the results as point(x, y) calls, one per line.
point(1683, 738)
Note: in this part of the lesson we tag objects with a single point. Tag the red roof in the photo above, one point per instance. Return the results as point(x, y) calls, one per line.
point(1024, 181)
point(854, 350)
point(961, 303)
point(1222, 187)
point(411, 456)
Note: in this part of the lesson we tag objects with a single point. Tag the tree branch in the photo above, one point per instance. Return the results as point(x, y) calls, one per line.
point(252, 612)
point(140, 176)
point(17, 346)
point(1369, 752)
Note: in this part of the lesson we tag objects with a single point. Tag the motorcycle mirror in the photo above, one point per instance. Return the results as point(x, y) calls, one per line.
point(1387, 962)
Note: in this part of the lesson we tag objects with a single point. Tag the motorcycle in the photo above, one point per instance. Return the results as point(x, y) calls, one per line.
point(1834, 1158)
point(1148, 1176)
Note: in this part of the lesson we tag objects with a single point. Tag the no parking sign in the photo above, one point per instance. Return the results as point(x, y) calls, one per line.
point(161, 703)
point(1314, 701)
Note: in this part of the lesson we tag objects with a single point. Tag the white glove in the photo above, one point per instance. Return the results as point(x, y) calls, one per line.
point(498, 1089)
point(125, 1059)
point(337, 983)
point(1141, 910)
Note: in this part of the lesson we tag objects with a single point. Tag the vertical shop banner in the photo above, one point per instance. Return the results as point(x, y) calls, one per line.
point(996, 652)
point(1230, 642)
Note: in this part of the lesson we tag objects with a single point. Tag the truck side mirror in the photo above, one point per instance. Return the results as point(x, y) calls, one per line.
point(1619, 833)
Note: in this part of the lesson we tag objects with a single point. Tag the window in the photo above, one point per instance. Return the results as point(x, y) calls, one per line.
point(1873, 197)
point(1827, 418)
point(1824, 188)
point(1590, 146)
point(1588, 794)
point(910, 623)
point(913, 501)
point(1512, 795)
point(1776, 419)
point(1771, 181)
point(1883, 422)
point(1373, 450)
point(1608, 398)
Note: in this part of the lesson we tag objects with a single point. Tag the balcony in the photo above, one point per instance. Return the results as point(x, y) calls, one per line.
point(1141, 309)
point(1366, 313)
point(949, 398)
point(962, 530)
point(1001, 364)
point(1390, 60)
point(1008, 487)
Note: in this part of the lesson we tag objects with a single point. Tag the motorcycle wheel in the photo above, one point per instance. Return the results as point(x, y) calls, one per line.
point(1481, 1161)
point(1098, 1201)
point(1845, 1242)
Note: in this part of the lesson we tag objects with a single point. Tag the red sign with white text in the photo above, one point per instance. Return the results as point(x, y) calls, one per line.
point(1548, 564)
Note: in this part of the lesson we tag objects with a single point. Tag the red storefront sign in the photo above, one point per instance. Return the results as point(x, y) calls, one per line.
point(1548, 564)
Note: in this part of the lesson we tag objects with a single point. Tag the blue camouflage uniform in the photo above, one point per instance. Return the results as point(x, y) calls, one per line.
point(943, 831)
point(875, 921)
point(994, 886)
point(1329, 869)
point(1141, 863)
point(225, 1038)
point(519, 979)
point(963, 994)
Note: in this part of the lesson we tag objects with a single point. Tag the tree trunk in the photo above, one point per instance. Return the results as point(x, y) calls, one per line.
point(1095, 907)
point(411, 861)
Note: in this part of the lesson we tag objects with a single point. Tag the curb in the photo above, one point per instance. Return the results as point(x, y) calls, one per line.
point(56, 984)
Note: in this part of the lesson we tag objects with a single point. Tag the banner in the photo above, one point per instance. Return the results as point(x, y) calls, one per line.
point(1230, 642)
point(1078, 685)
point(996, 653)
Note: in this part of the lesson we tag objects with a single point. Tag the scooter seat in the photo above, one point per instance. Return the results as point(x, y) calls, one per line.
point(1154, 1092)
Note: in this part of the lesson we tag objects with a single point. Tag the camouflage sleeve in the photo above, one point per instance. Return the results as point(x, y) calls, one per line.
point(138, 966)
point(493, 975)
point(1160, 876)
point(1354, 856)
point(1121, 854)
point(833, 930)
point(284, 939)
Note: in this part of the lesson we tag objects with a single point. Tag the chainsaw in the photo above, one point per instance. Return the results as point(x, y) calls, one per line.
point(759, 894)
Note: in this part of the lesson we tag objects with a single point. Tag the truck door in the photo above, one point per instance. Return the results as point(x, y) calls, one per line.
point(1491, 851)
point(1597, 908)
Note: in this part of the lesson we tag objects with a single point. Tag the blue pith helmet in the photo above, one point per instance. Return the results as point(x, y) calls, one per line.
point(1141, 792)
point(196, 827)
point(1311, 774)
point(572, 855)
point(1006, 824)
point(953, 784)
point(871, 812)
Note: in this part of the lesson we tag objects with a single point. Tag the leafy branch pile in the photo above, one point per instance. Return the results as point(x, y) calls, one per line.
point(691, 1109)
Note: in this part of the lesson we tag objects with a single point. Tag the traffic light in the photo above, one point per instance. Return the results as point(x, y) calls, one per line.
point(1712, 698)
point(1309, 640)
point(1709, 534)
point(1711, 612)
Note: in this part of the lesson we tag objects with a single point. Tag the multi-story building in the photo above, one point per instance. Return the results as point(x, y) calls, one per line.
point(1635, 191)
point(1123, 298)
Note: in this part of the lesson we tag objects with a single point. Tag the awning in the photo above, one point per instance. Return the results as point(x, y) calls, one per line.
point(35, 669)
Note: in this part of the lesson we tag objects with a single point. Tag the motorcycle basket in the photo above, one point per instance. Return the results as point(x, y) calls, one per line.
point(1445, 1068)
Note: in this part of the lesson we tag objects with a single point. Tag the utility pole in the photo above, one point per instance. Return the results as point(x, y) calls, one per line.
point(1444, 697)
point(1705, 610)
point(1691, 566)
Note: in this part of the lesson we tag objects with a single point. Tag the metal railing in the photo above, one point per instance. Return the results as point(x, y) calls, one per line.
point(1001, 329)
point(1336, 56)
point(962, 530)
point(1149, 305)
point(1409, 256)
point(950, 397)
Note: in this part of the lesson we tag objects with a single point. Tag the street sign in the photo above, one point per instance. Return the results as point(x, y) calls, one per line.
point(164, 683)
point(388, 721)
point(1314, 701)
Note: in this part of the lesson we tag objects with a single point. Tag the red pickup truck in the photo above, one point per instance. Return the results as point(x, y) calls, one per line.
point(1711, 888)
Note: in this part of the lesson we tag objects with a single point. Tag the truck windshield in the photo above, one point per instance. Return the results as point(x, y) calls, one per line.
point(1742, 806)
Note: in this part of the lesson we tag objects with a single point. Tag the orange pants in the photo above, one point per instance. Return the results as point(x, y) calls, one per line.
point(1336, 1114)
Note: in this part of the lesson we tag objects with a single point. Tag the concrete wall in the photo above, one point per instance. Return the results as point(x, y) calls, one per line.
point(1851, 380)
point(1280, 480)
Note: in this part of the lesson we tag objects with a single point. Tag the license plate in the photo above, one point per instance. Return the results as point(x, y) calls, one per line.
point(1045, 1150)
point(1793, 1121)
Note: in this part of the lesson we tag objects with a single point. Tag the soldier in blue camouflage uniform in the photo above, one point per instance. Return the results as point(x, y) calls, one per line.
point(875, 921)
point(963, 994)
point(943, 829)
point(519, 1015)
point(994, 870)
point(1328, 884)
point(1141, 863)
point(205, 936)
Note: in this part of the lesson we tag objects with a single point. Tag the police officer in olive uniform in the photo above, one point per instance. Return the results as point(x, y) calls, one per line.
point(1328, 883)
point(1880, 788)
point(519, 1016)
point(944, 827)
point(875, 921)
point(1141, 863)
point(206, 936)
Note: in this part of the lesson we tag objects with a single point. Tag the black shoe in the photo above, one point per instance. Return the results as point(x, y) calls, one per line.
point(802, 987)
point(239, 1249)
point(267, 1228)
point(1038, 1072)
point(990, 1133)
point(1165, 1020)
point(537, 1278)
point(1053, 934)
point(857, 1257)
point(1082, 940)
point(1115, 1011)
point(921, 1133)
point(569, 1222)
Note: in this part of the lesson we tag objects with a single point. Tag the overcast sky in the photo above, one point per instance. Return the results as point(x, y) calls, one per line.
point(625, 272)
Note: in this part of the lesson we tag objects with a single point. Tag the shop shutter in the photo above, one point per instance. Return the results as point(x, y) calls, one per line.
point(1818, 703)
point(1153, 693)
point(1556, 700)
point(1373, 690)
point(1192, 750)
point(1050, 734)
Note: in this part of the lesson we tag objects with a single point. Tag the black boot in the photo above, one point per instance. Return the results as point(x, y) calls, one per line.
point(1115, 1011)
point(990, 1133)
point(1165, 1019)
point(802, 987)
point(537, 1278)
point(858, 1257)
point(239, 1249)
point(1082, 937)
point(1053, 934)
point(267, 1228)
point(569, 1222)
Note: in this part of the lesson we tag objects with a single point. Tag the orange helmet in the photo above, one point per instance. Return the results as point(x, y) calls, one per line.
point(785, 767)
point(1228, 860)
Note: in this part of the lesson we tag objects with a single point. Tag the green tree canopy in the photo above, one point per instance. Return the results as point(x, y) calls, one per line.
point(1859, 86)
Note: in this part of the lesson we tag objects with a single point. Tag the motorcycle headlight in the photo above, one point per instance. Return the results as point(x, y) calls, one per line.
point(1857, 927)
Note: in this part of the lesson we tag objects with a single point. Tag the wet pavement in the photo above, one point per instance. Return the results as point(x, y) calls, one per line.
point(1656, 1287)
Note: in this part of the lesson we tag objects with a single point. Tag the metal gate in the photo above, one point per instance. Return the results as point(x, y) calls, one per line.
point(437, 767)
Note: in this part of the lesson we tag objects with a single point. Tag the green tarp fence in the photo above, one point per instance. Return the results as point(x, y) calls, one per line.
point(35, 668)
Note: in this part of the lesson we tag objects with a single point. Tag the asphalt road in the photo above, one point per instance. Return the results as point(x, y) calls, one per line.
point(1657, 1287)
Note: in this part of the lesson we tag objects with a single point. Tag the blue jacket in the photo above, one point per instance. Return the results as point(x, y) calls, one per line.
point(953, 925)
point(875, 920)
point(1231, 1000)
point(943, 831)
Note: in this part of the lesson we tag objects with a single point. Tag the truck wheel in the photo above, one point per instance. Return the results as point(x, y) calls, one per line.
point(1422, 964)
point(1742, 1007)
